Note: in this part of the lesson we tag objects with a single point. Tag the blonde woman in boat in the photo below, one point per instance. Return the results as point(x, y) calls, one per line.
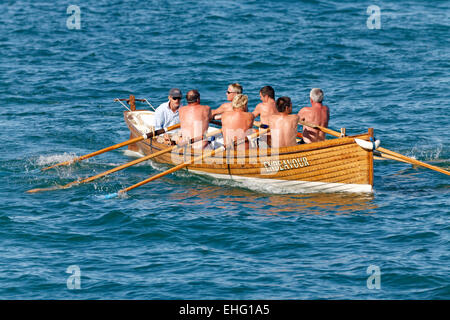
point(237, 123)
point(283, 126)
point(233, 90)
point(317, 114)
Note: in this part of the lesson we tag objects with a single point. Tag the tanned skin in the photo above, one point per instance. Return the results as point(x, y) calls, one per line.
point(283, 128)
point(317, 114)
point(265, 109)
point(231, 93)
point(236, 125)
point(194, 122)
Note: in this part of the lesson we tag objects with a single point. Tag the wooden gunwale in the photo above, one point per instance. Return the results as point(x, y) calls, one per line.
point(252, 153)
point(263, 156)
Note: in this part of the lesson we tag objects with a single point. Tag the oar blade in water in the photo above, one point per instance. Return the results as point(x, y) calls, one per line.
point(44, 189)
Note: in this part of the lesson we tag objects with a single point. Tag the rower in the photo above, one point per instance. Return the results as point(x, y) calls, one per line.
point(194, 119)
point(283, 126)
point(317, 114)
point(268, 106)
point(233, 90)
point(237, 123)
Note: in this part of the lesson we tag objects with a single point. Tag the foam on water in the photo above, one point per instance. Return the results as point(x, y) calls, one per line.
point(426, 153)
point(55, 158)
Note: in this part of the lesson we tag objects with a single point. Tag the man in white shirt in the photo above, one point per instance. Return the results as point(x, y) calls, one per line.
point(166, 114)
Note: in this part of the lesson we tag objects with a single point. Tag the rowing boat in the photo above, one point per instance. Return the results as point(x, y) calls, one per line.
point(344, 164)
point(335, 165)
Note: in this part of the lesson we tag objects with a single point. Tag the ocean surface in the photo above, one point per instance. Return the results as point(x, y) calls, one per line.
point(189, 237)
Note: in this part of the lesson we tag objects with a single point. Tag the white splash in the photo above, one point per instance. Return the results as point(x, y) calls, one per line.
point(56, 158)
point(421, 152)
point(130, 153)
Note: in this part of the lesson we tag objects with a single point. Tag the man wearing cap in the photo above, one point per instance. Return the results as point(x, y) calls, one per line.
point(166, 114)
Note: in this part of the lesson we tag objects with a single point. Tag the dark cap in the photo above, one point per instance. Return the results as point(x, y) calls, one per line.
point(175, 93)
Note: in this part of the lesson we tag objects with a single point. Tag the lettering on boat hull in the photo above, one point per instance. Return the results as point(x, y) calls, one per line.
point(283, 165)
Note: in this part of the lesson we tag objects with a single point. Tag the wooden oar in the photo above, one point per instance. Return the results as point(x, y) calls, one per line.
point(126, 165)
point(383, 156)
point(400, 157)
point(116, 146)
point(182, 165)
point(413, 161)
point(323, 129)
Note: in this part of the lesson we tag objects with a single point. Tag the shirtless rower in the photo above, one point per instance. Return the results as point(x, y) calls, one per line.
point(237, 123)
point(283, 126)
point(194, 119)
point(317, 114)
point(233, 90)
point(268, 106)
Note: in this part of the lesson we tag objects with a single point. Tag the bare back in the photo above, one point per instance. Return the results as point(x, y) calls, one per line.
point(225, 107)
point(283, 130)
point(235, 125)
point(265, 110)
point(194, 122)
point(319, 115)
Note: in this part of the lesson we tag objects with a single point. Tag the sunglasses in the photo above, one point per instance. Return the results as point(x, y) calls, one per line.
point(230, 92)
point(176, 98)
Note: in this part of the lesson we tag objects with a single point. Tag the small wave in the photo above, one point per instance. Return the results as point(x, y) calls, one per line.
point(56, 158)
point(423, 152)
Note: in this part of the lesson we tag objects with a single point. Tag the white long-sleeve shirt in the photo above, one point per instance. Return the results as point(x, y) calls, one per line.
point(164, 116)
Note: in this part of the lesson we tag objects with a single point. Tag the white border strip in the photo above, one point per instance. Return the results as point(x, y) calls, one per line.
point(290, 186)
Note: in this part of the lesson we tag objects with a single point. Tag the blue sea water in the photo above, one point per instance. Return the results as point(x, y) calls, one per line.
point(187, 237)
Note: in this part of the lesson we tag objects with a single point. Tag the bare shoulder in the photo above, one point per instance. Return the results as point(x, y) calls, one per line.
point(259, 106)
point(182, 109)
point(226, 114)
point(303, 111)
point(275, 116)
point(225, 105)
point(206, 109)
